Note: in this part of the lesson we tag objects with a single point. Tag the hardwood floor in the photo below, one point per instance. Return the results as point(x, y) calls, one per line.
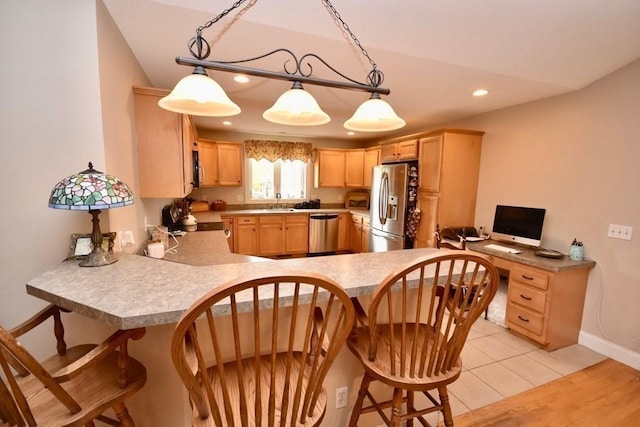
point(605, 394)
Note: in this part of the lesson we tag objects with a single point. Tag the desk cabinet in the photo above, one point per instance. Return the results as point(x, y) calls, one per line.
point(545, 306)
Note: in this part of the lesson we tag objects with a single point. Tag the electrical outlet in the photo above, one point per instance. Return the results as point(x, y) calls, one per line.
point(341, 397)
point(623, 232)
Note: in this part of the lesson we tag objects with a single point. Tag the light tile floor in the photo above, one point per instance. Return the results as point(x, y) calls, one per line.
point(497, 364)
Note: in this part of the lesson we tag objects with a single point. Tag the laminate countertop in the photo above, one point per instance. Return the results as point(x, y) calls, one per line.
point(140, 291)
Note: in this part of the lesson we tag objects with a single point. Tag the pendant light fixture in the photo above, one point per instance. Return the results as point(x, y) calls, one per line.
point(199, 95)
point(296, 107)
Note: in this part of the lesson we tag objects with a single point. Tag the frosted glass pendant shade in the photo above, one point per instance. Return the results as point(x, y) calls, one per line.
point(374, 115)
point(296, 107)
point(199, 95)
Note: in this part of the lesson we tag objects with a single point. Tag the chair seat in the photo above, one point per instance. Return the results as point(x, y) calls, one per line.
point(95, 389)
point(232, 377)
point(380, 368)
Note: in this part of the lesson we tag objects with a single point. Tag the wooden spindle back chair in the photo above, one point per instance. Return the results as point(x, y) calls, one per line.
point(411, 341)
point(281, 333)
point(71, 388)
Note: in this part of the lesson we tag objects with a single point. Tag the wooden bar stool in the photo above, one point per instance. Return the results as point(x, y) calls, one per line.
point(278, 351)
point(409, 339)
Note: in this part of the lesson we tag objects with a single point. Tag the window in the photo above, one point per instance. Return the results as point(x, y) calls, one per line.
point(287, 177)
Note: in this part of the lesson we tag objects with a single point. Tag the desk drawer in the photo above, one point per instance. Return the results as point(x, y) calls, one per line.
point(530, 277)
point(527, 296)
point(521, 318)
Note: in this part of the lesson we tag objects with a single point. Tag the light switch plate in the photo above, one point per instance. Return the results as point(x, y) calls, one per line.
point(623, 232)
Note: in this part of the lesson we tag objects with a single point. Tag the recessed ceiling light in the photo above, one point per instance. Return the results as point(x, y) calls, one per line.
point(227, 123)
point(350, 133)
point(480, 92)
point(241, 78)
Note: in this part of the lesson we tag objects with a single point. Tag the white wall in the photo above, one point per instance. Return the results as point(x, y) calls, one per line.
point(50, 128)
point(577, 156)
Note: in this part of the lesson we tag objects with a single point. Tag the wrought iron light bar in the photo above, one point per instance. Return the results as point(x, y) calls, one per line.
point(232, 67)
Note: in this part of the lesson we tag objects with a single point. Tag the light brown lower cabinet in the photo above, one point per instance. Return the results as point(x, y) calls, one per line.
point(359, 234)
point(246, 241)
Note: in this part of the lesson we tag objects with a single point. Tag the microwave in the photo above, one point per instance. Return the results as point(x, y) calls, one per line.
point(195, 162)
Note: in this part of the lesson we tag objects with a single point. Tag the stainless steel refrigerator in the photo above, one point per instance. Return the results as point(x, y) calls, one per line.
point(393, 199)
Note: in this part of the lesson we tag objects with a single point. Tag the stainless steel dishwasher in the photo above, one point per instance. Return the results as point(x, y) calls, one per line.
point(323, 233)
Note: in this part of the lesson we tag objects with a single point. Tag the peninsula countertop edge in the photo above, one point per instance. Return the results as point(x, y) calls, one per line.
point(139, 291)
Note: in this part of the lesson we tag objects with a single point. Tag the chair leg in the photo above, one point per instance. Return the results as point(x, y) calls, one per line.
point(357, 407)
point(446, 407)
point(396, 409)
point(123, 415)
point(410, 407)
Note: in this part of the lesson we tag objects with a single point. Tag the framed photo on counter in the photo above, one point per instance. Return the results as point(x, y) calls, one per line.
point(80, 245)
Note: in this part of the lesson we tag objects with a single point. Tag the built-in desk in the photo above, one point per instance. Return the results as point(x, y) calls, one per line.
point(545, 296)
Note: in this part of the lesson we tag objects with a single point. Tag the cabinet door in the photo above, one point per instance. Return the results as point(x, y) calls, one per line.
point(430, 163)
point(296, 235)
point(271, 235)
point(208, 159)
point(246, 240)
point(355, 234)
point(164, 148)
point(330, 168)
point(388, 152)
point(229, 164)
point(365, 235)
point(428, 205)
point(371, 159)
point(407, 150)
point(354, 169)
point(344, 224)
point(229, 223)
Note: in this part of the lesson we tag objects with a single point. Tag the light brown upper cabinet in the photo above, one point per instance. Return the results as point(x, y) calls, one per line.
point(335, 167)
point(354, 168)
point(165, 141)
point(448, 181)
point(371, 159)
point(329, 168)
point(220, 163)
point(398, 151)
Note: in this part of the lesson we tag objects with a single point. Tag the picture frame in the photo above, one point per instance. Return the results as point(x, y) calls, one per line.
point(80, 244)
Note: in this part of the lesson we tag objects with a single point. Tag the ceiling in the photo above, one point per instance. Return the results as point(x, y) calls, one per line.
point(433, 53)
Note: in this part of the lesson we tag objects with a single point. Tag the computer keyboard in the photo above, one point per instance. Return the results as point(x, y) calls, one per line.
point(503, 248)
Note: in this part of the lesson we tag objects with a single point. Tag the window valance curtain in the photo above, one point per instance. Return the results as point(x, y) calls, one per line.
point(274, 150)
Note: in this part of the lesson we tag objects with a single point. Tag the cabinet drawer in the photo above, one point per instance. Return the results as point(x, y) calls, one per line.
point(245, 220)
point(520, 317)
point(271, 219)
point(296, 219)
point(356, 219)
point(527, 296)
point(530, 277)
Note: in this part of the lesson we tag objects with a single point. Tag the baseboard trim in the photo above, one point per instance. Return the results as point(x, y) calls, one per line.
point(609, 349)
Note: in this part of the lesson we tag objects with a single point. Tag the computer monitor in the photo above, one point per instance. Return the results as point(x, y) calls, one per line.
point(518, 224)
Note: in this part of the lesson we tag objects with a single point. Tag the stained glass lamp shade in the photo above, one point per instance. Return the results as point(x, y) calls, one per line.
point(93, 191)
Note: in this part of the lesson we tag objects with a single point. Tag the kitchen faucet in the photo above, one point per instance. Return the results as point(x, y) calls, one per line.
point(278, 197)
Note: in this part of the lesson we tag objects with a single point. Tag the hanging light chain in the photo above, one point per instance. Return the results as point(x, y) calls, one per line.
point(336, 14)
point(202, 46)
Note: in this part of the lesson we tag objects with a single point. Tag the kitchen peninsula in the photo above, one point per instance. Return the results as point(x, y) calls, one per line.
point(141, 291)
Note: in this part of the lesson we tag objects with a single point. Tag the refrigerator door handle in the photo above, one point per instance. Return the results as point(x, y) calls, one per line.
point(383, 195)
